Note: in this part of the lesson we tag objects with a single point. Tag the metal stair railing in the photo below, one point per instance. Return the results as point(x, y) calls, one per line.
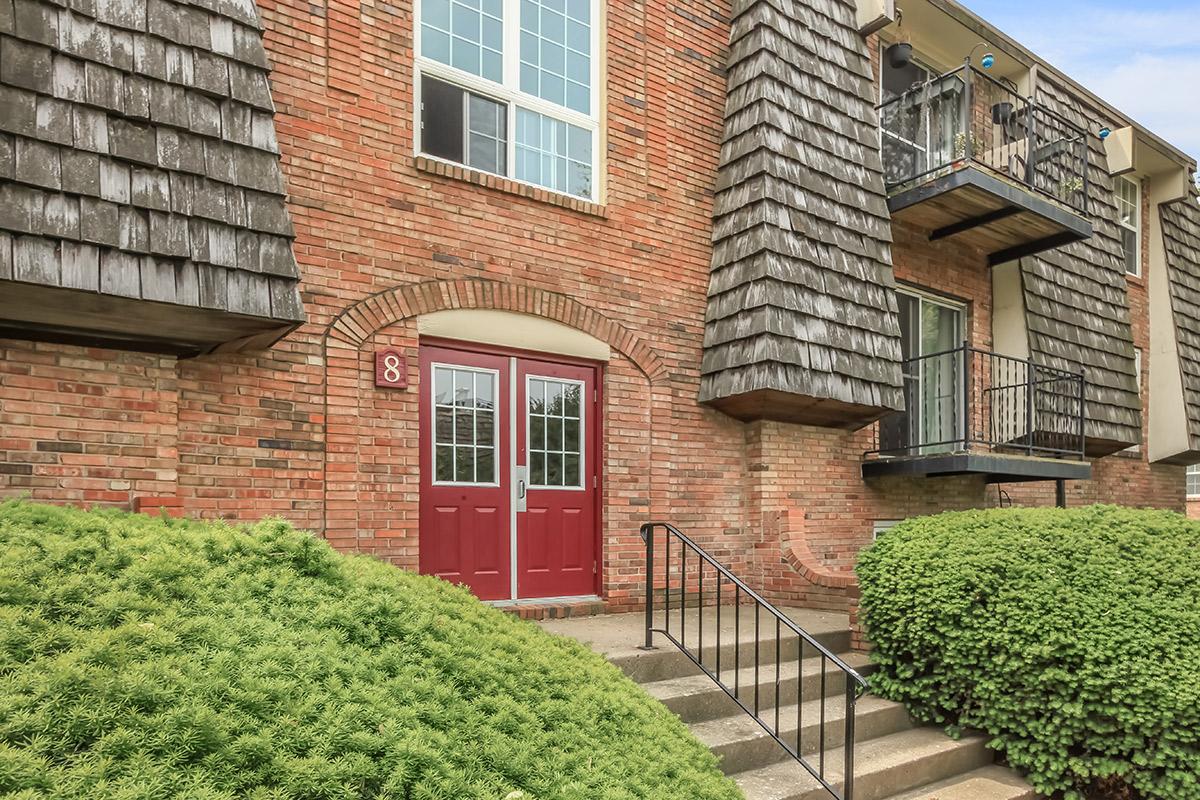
point(777, 625)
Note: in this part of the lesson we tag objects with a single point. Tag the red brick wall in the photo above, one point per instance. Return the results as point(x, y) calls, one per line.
point(302, 432)
point(87, 426)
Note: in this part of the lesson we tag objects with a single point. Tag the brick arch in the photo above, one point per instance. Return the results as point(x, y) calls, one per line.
point(358, 322)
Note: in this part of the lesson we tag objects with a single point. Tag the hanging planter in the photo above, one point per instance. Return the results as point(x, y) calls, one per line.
point(1002, 113)
point(899, 55)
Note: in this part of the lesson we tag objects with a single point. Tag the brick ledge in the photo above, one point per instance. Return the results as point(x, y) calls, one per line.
point(509, 186)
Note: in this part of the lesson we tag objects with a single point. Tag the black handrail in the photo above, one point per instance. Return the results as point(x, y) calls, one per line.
point(965, 115)
point(855, 684)
point(966, 398)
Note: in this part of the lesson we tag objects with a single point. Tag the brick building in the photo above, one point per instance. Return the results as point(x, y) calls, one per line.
point(558, 267)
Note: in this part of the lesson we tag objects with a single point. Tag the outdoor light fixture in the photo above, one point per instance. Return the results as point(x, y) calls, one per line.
point(1104, 132)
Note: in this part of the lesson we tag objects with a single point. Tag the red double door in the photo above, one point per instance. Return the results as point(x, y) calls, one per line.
point(508, 473)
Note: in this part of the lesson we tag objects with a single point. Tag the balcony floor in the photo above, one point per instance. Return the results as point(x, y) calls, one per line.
point(978, 206)
point(996, 467)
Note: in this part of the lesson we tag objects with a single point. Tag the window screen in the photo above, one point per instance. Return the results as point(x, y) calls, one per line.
point(464, 127)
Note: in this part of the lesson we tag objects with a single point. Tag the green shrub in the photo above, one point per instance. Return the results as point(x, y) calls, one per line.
point(1071, 637)
point(154, 658)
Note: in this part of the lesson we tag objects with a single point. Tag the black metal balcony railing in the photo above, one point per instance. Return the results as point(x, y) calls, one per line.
point(966, 117)
point(967, 399)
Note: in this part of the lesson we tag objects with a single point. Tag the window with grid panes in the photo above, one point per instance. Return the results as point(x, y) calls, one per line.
point(1129, 215)
point(510, 87)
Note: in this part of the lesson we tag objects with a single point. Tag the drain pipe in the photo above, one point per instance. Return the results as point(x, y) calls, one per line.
point(1060, 493)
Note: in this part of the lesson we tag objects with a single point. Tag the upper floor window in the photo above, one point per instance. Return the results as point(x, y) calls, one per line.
point(1129, 215)
point(511, 87)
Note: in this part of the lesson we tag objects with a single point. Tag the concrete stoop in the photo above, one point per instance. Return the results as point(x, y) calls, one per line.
point(894, 760)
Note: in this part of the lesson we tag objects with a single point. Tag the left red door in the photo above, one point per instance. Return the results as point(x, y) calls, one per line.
point(465, 501)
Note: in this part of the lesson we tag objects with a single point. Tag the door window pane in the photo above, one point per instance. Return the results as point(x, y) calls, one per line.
point(464, 425)
point(465, 35)
point(555, 425)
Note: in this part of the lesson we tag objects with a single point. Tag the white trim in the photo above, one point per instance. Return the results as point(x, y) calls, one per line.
point(512, 477)
point(508, 92)
point(583, 478)
point(433, 406)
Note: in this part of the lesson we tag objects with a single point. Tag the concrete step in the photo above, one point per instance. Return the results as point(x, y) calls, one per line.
point(883, 767)
point(986, 783)
point(742, 744)
point(696, 698)
point(617, 637)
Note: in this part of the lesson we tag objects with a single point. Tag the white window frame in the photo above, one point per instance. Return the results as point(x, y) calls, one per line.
point(583, 431)
point(1136, 227)
point(883, 526)
point(506, 92)
point(433, 405)
point(1136, 449)
point(935, 71)
point(1192, 470)
point(960, 309)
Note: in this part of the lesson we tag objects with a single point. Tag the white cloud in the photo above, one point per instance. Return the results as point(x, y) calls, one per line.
point(1160, 92)
point(1145, 62)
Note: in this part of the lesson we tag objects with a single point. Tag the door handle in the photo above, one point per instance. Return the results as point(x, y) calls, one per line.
point(521, 475)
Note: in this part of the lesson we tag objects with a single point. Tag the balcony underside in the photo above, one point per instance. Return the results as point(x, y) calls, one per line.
point(93, 319)
point(1005, 219)
point(995, 467)
point(777, 406)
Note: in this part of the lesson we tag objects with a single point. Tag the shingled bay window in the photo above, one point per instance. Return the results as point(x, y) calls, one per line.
point(509, 87)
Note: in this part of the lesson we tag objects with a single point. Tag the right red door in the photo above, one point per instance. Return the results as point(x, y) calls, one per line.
point(556, 490)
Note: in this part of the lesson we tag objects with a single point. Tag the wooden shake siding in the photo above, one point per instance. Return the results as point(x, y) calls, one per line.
point(1181, 234)
point(1076, 301)
point(800, 298)
point(138, 155)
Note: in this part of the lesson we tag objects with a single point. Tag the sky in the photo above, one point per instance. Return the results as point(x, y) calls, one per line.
point(1142, 56)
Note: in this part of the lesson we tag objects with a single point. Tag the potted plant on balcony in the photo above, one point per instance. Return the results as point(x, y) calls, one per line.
point(899, 53)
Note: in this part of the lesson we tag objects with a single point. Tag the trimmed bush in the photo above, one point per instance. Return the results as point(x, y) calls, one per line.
point(156, 658)
point(1071, 637)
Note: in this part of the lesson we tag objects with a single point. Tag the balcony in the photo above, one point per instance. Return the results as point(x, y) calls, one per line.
point(970, 411)
point(966, 157)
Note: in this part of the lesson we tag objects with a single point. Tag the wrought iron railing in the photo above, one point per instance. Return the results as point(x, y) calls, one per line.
point(771, 709)
point(968, 399)
point(966, 116)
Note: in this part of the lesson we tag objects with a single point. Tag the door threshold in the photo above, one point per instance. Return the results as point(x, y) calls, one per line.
point(540, 601)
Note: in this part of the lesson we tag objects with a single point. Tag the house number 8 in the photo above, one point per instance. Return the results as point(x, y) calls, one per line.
point(391, 369)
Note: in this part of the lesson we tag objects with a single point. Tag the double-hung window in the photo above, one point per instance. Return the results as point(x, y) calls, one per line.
point(510, 87)
point(1129, 215)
